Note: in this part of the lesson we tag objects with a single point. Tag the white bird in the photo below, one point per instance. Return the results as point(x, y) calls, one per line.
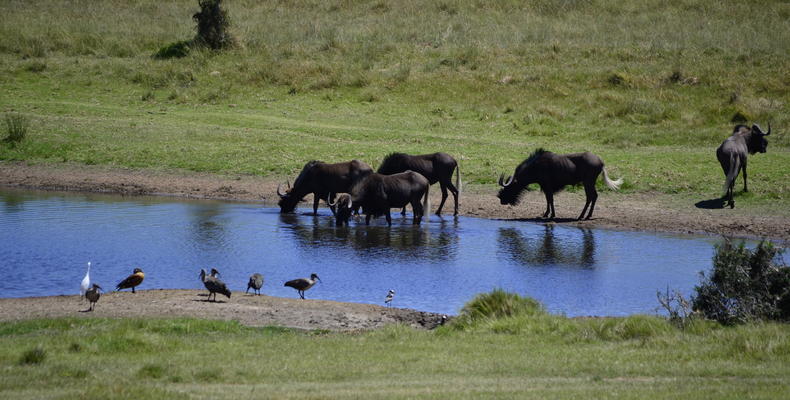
point(388, 299)
point(86, 281)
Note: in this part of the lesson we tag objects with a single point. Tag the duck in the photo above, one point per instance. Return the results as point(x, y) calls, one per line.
point(131, 281)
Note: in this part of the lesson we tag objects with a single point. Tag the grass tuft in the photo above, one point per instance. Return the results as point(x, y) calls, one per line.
point(497, 304)
point(36, 355)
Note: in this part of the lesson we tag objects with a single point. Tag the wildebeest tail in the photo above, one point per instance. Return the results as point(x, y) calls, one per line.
point(426, 201)
point(735, 166)
point(458, 177)
point(614, 185)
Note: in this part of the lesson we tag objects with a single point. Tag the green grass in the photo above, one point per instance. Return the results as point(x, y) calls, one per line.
point(538, 356)
point(653, 90)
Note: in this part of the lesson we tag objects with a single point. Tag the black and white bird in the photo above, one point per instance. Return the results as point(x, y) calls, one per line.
point(302, 284)
point(93, 295)
point(388, 299)
point(256, 283)
point(213, 284)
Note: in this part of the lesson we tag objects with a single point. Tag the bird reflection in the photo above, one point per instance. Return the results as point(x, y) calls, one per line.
point(546, 248)
point(371, 241)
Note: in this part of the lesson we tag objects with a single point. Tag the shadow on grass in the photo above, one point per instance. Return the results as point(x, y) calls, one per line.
point(710, 204)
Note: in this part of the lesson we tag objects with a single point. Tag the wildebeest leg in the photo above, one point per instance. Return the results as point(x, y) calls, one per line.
point(443, 187)
point(743, 167)
point(454, 191)
point(591, 197)
point(403, 211)
point(549, 205)
point(416, 206)
point(316, 199)
point(389, 217)
point(367, 219)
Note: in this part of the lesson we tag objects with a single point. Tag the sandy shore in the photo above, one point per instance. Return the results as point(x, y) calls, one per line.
point(642, 212)
point(246, 308)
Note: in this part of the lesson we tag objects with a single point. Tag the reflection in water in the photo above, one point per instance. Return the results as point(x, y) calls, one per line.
point(436, 241)
point(547, 248)
point(206, 225)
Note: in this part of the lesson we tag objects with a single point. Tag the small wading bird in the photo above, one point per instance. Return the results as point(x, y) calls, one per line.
point(388, 299)
point(303, 284)
point(213, 284)
point(93, 295)
point(256, 283)
point(86, 281)
point(132, 280)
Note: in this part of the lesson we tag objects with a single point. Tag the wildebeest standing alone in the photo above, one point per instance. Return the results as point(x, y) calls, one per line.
point(377, 193)
point(320, 179)
point(732, 155)
point(553, 172)
point(436, 167)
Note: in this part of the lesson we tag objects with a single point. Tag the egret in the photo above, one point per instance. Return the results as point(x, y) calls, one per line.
point(302, 284)
point(214, 285)
point(86, 281)
point(256, 283)
point(132, 280)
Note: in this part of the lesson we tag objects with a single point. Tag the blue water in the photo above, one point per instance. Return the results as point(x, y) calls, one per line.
point(46, 240)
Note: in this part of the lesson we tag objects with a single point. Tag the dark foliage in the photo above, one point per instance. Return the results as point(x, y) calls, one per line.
point(745, 285)
point(174, 50)
point(16, 128)
point(212, 25)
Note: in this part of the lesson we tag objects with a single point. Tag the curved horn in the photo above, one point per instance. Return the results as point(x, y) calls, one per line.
point(349, 202)
point(769, 129)
point(280, 193)
point(328, 201)
point(505, 184)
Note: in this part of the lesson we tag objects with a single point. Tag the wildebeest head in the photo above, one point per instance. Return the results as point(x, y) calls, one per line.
point(341, 208)
point(287, 201)
point(293, 195)
point(757, 142)
point(513, 186)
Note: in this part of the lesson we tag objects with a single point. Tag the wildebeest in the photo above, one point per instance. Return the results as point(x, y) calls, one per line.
point(732, 155)
point(553, 172)
point(377, 193)
point(341, 205)
point(436, 167)
point(320, 179)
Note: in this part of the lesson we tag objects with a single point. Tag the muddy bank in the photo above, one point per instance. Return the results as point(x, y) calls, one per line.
point(641, 212)
point(247, 309)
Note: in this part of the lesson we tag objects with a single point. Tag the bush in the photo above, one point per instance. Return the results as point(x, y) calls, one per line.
point(495, 305)
point(212, 25)
point(174, 50)
point(16, 128)
point(35, 355)
point(745, 285)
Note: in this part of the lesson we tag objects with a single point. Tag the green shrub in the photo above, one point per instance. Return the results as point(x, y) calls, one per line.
point(174, 50)
point(212, 25)
point(745, 285)
point(35, 355)
point(16, 128)
point(495, 305)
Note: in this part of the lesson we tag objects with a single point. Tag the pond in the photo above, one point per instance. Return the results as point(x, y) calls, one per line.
point(47, 238)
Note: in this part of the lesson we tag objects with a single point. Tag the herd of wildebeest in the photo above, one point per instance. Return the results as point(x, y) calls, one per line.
point(403, 179)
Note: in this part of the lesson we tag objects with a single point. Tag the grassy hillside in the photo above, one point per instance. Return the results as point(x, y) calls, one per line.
point(542, 357)
point(652, 87)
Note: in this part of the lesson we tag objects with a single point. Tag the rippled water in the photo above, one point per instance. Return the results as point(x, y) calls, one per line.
point(46, 240)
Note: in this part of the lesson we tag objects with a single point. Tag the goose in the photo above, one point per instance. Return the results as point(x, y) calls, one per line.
point(302, 284)
point(132, 280)
point(256, 283)
point(213, 284)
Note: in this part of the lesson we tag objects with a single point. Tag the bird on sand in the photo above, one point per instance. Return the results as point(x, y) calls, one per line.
point(302, 284)
point(388, 299)
point(93, 295)
point(256, 283)
point(86, 281)
point(132, 280)
point(214, 285)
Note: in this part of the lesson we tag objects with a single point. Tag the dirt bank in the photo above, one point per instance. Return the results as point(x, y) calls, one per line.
point(247, 309)
point(643, 212)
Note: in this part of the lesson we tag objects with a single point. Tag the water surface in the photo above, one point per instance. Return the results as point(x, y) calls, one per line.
point(47, 238)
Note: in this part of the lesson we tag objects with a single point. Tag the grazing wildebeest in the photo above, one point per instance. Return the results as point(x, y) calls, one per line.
point(320, 179)
point(553, 172)
point(732, 155)
point(436, 167)
point(377, 193)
